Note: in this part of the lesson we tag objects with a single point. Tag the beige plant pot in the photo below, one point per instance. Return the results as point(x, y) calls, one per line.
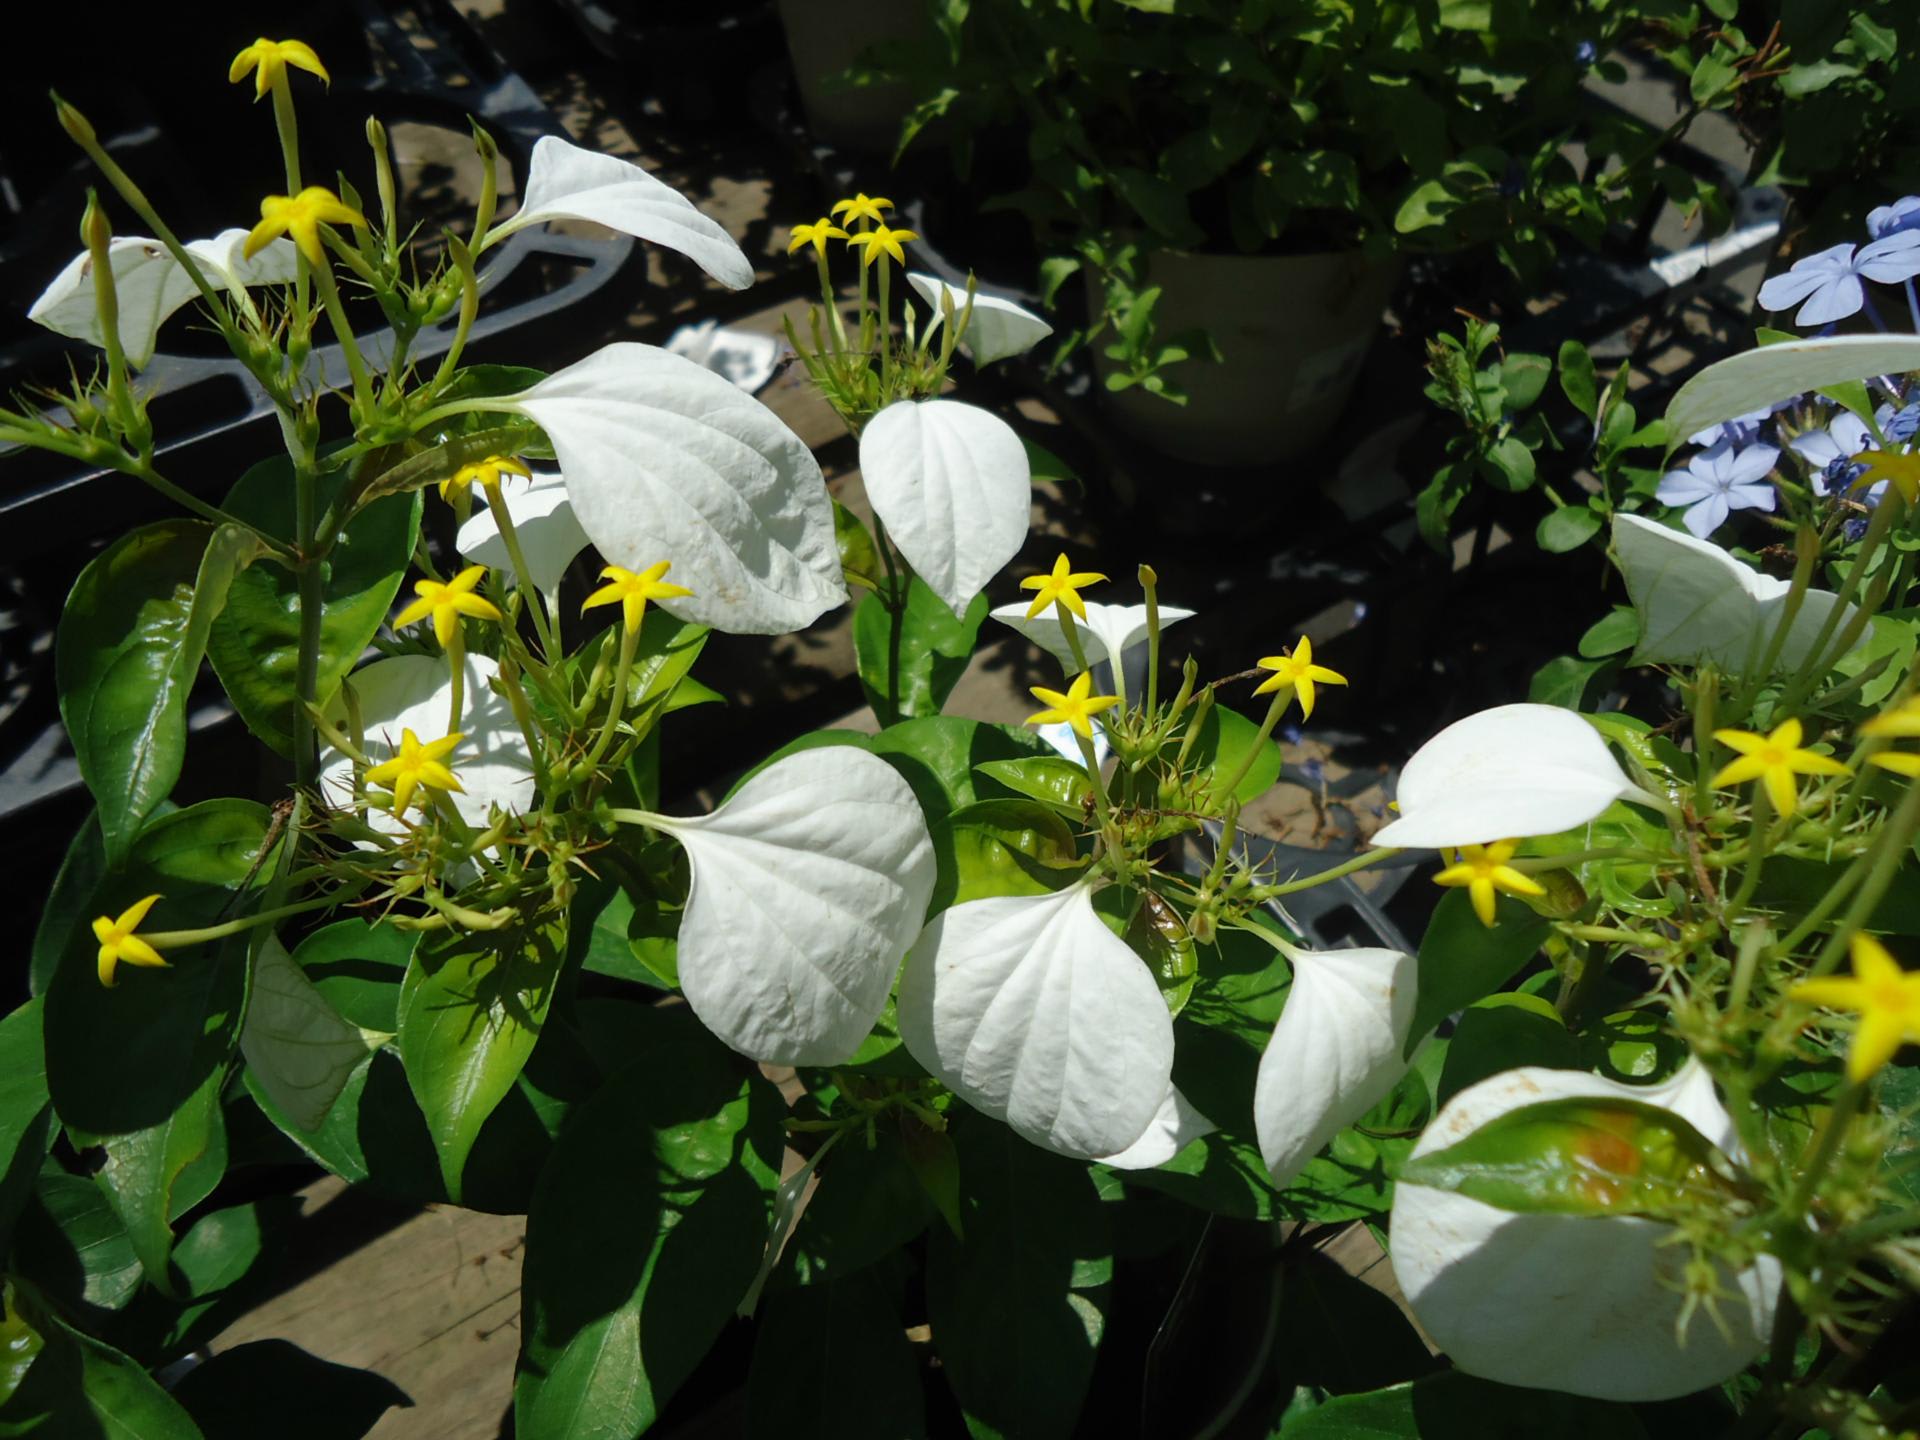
point(1293, 332)
point(824, 37)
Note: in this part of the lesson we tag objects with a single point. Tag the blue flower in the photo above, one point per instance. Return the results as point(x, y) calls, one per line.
point(1903, 214)
point(1902, 425)
point(1719, 481)
point(1585, 53)
point(1742, 430)
point(1829, 282)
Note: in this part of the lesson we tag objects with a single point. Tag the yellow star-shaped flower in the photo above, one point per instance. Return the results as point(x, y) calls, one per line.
point(1483, 869)
point(1298, 673)
point(816, 235)
point(1900, 723)
point(301, 216)
point(1773, 760)
point(414, 765)
point(633, 591)
point(1886, 997)
point(447, 603)
point(1076, 707)
point(269, 60)
point(487, 472)
point(1061, 585)
point(862, 207)
point(119, 944)
point(880, 240)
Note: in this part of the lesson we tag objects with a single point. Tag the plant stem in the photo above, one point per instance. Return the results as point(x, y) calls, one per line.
point(1322, 877)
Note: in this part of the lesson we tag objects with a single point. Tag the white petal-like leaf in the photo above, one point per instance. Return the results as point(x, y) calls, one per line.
point(665, 460)
point(1755, 379)
point(1175, 1125)
point(543, 520)
point(299, 1047)
point(951, 483)
point(1505, 773)
point(1335, 1053)
point(1697, 603)
point(150, 285)
point(1033, 1011)
point(1562, 1302)
point(808, 886)
point(415, 692)
point(1109, 633)
point(996, 329)
point(565, 182)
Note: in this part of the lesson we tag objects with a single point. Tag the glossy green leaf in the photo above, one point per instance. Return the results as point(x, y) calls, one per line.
point(859, 557)
point(935, 646)
point(868, 1203)
point(129, 645)
point(357, 968)
point(471, 1008)
point(1617, 630)
point(89, 1390)
point(832, 1362)
point(1051, 779)
point(124, 1059)
point(1567, 528)
point(145, 1172)
point(1503, 1032)
point(1226, 740)
point(1011, 847)
point(26, 1116)
point(1018, 1307)
point(1462, 960)
point(66, 907)
point(255, 643)
point(300, 1047)
point(1577, 380)
point(645, 1232)
point(71, 1244)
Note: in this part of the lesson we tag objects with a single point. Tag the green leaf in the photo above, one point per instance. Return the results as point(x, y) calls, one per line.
point(357, 968)
point(1461, 960)
point(272, 1387)
point(302, 1050)
point(869, 1203)
point(89, 1390)
point(255, 643)
point(1577, 380)
point(66, 908)
point(471, 1009)
point(71, 1243)
point(146, 1171)
point(1503, 1032)
point(1053, 780)
point(26, 1116)
point(1019, 1306)
point(859, 558)
point(1524, 376)
point(1567, 528)
point(646, 1229)
point(1617, 630)
point(1566, 681)
point(832, 1361)
point(124, 1059)
point(1226, 739)
point(1011, 847)
point(1160, 204)
point(128, 648)
point(935, 646)
point(1455, 1406)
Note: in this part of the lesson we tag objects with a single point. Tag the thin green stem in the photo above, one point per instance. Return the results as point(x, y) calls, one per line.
point(1322, 877)
point(285, 123)
point(616, 702)
point(343, 331)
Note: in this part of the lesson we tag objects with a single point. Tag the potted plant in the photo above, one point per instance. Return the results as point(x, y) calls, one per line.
point(1241, 183)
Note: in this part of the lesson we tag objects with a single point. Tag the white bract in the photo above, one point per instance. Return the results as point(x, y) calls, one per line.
point(1175, 1125)
point(1698, 604)
point(951, 484)
point(565, 182)
point(150, 285)
point(1565, 1302)
point(1758, 378)
point(544, 523)
point(1032, 1011)
point(1108, 633)
point(415, 692)
point(1335, 1053)
point(1505, 773)
point(665, 460)
point(300, 1049)
point(996, 329)
point(808, 886)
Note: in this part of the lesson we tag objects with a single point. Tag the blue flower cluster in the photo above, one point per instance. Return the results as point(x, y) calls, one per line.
point(1827, 287)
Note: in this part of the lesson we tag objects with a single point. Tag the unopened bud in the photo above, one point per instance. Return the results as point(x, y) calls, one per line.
point(1148, 576)
point(95, 233)
point(483, 142)
point(74, 123)
point(376, 133)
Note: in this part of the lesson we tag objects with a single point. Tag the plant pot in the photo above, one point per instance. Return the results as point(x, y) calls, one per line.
point(1292, 330)
point(824, 38)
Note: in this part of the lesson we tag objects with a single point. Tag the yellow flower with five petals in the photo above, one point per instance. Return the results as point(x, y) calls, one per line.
point(1773, 759)
point(1900, 723)
point(1297, 673)
point(1483, 870)
point(301, 216)
point(1075, 708)
point(633, 590)
point(414, 765)
point(862, 207)
point(816, 235)
point(487, 473)
point(1886, 997)
point(1901, 468)
point(119, 945)
point(1060, 585)
point(269, 59)
point(882, 241)
point(446, 603)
